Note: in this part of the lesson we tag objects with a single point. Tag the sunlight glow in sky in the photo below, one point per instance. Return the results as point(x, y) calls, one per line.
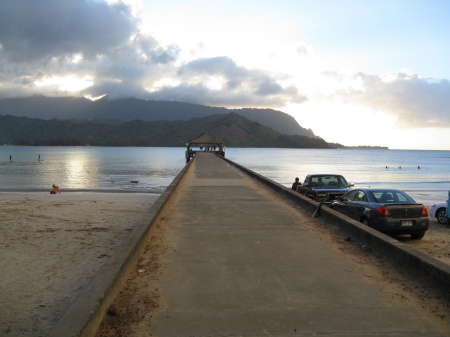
point(371, 72)
point(66, 83)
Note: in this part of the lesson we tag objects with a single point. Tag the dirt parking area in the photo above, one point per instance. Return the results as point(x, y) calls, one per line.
point(435, 243)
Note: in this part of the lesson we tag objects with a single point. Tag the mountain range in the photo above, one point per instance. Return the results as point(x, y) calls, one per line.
point(233, 129)
point(107, 111)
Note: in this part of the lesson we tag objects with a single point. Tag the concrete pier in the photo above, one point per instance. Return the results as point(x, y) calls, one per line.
point(243, 265)
point(242, 262)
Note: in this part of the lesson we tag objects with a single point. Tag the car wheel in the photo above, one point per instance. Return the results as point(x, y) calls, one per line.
point(365, 222)
point(440, 216)
point(418, 235)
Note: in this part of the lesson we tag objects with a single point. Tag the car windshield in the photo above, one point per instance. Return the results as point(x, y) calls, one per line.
point(331, 181)
point(391, 197)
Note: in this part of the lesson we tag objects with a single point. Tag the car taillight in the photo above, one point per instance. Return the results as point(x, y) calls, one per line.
point(424, 211)
point(383, 210)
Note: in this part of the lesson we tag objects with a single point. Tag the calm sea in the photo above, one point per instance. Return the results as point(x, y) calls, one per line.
point(423, 174)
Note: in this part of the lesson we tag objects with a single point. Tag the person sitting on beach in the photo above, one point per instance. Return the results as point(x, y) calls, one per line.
point(296, 184)
point(55, 189)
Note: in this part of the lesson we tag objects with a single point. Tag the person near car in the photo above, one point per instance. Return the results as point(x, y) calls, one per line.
point(296, 184)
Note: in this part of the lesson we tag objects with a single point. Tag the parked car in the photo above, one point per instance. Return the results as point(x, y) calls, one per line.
point(438, 211)
point(326, 187)
point(387, 210)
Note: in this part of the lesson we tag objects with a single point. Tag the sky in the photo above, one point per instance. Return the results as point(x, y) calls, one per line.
point(356, 72)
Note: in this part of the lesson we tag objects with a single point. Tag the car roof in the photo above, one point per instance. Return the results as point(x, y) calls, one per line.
point(379, 189)
point(325, 174)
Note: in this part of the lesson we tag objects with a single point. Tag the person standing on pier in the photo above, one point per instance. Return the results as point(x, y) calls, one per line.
point(296, 184)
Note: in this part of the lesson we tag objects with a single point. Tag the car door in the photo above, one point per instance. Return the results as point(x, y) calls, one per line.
point(344, 205)
point(357, 206)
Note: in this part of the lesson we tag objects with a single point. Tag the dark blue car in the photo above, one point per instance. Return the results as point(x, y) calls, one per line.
point(387, 210)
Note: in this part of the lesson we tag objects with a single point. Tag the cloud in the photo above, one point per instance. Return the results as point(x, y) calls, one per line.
point(33, 30)
point(268, 87)
point(222, 65)
point(233, 86)
point(116, 89)
point(200, 94)
point(41, 41)
point(304, 50)
point(414, 101)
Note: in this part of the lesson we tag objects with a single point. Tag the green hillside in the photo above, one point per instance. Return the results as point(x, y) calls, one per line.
point(127, 109)
point(233, 129)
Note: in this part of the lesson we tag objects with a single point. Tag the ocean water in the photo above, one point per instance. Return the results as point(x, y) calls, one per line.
point(425, 175)
point(147, 170)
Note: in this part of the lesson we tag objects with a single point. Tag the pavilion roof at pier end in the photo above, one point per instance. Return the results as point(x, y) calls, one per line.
point(205, 142)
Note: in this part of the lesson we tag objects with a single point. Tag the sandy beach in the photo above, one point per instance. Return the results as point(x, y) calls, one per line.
point(52, 246)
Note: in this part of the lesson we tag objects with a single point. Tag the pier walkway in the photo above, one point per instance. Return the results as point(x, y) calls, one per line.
point(241, 263)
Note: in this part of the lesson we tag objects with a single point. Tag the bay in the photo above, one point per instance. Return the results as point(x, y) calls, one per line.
point(132, 169)
point(424, 174)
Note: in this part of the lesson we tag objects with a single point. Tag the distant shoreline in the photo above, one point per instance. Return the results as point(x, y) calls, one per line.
point(367, 147)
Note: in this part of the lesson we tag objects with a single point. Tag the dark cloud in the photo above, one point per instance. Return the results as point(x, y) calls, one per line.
point(33, 30)
point(242, 86)
point(101, 41)
point(268, 87)
point(43, 39)
point(148, 46)
point(214, 66)
point(115, 90)
point(200, 94)
point(414, 101)
point(165, 55)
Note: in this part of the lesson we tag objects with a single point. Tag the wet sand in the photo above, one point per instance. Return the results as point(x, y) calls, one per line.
point(52, 246)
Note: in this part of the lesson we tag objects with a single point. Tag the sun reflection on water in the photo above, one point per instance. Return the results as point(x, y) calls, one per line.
point(77, 171)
